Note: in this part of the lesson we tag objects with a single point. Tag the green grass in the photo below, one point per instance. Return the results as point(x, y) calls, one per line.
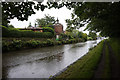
point(84, 67)
point(115, 44)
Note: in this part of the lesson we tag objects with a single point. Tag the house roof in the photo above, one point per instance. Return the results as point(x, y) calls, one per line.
point(32, 28)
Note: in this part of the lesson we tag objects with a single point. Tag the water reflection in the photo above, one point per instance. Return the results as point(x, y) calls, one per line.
point(43, 62)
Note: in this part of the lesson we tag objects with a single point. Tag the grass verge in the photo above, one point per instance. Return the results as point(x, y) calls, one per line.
point(115, 44)
point(84, 67)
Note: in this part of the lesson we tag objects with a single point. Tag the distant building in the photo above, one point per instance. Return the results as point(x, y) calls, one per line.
point(33, 29)
point(58, 29)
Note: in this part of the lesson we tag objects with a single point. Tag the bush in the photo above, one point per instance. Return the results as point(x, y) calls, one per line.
point(58, 42)
point(27, 33)
point(49, 29)
point(5, 46)
point(50, 42)
point(13, 32)
point(33, 43)
point(5, 32)
point(16, 33)
point(47, 35)
point(17, 44)
point(89, 38)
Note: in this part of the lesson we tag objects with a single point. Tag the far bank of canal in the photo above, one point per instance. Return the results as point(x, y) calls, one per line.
point(43, 62)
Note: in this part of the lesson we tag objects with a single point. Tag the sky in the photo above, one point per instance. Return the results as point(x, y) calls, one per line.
point(62, 14)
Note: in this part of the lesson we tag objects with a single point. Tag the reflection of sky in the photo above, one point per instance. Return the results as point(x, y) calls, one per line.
point(31, 67)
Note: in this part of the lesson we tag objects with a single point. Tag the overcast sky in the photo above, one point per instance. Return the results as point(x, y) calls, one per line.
point(62, 14)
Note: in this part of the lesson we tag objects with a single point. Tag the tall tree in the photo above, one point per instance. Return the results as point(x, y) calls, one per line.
point(93, 35)
point(47, 21)
point(103, 17)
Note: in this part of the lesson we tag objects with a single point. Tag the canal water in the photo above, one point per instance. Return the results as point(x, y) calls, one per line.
point(43, 62)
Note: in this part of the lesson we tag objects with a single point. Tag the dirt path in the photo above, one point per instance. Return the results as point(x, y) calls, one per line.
point(113, 64)
point(101, 65)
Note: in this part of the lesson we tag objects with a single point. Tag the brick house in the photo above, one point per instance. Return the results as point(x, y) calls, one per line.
point(58, 29)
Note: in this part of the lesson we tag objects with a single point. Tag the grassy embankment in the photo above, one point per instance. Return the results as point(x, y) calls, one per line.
point(86, 66)
point(10, 44)
point(115, 44)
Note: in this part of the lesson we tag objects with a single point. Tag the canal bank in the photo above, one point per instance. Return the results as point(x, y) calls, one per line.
point(102, 62)
point(83, 67)
point(31, 63)
point(14, 44)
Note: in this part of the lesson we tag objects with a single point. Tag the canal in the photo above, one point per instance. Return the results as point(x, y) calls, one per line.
point(43, 62)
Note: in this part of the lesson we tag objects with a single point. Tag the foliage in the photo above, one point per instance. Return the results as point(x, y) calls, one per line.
point(5, 31)
point(20, 10)
point(49, 29)
point(58, 42)
point(84, 36)
point(27, 33)
point(50, 42)
point(93, 35)
point(115, 44)
point(63, 36)
point(102, 17)
point(75, 33)
point(73, 24)
point(13, 32)
point(69, 25)
point(33, 43)
point(89, 38)
point(16, 33)
point(47, 21)
point(18, 44)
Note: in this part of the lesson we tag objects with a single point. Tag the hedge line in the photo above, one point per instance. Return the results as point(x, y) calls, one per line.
point(19, 44)
point(16, 33)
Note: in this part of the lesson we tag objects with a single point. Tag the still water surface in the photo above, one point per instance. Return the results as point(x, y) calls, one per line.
point(43, 62)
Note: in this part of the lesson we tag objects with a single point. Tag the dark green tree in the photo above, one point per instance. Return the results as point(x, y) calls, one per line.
point(47, 21)
point(20, 10)
point(93, 35)
point(102, 17)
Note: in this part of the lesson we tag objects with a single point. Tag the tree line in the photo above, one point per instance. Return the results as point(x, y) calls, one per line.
point(101, 16)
